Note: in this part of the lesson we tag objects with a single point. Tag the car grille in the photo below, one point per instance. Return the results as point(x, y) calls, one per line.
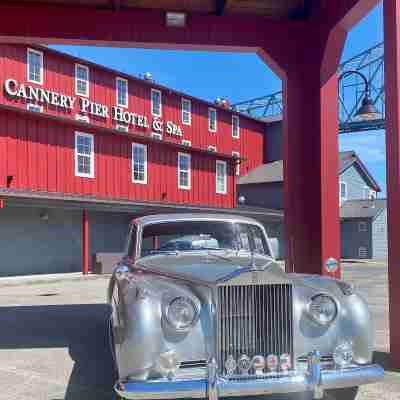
point(254, 320)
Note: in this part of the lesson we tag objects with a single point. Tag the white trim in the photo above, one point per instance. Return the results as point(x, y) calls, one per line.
point(183, 100)
point(185, 155)
point(118, 78)
point(364, 226)
point(237, 165)
point(225, 177)
point(40, 54)
point(156, 135)
point(236, 117)
point(143, 146)
point(211, 109)
point(91, 137)
point(32, 107)
point(159, 92)
point(86, 94)
point(212, 148)
point(186, 142)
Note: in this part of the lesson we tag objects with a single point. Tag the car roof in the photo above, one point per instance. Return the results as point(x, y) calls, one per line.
point(178, 217)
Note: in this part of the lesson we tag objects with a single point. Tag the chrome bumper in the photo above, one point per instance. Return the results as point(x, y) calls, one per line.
point(314, 380)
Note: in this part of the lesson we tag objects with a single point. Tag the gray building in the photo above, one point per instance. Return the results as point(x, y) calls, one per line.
point(263, 187)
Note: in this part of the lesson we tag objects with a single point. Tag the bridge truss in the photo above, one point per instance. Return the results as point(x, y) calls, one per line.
point(351, 92)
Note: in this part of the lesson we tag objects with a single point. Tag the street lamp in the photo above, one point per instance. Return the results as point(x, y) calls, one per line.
point(367, 111)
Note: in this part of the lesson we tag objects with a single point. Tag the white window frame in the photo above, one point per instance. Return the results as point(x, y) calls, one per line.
point(365, 193)
point(224, 163)
point(212, 110)
point(237, 165)
point(91, 137)
point(39, 53)
point(186, 142)
point(156, 135)
point(82, 118)
point(212, 148)
point(86, 94)
point(117, 79)
point(189, 113)
point(152, 105)
point(33, 107)
point(189, 185)
point(143, 146)
point(364, 225)
point(236, 136)
point(342, 199)
point(122, 127)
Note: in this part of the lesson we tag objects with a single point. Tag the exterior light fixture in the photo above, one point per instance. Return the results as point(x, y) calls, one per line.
point(367, 111)
point(175, 19)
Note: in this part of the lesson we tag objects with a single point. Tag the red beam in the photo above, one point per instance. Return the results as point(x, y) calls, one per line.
point(392, 115)
point(85, 242)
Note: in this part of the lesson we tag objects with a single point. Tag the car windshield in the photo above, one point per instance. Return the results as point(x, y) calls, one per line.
point(202, 235)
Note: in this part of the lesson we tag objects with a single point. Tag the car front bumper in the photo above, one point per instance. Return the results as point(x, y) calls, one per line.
point(314, 380)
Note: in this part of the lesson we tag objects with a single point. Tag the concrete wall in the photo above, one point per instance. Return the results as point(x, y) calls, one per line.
point(355, 183)
point(31, 243)
point(263, 195)
point(379, 235)
point(352, 239)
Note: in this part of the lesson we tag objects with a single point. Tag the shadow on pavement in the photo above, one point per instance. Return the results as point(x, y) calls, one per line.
point(80, 328)
point(383, 359)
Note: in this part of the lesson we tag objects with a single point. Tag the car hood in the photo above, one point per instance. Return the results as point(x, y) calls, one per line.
point(213, 267)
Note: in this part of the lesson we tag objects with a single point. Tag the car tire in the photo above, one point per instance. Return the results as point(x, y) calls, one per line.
point(341, 394)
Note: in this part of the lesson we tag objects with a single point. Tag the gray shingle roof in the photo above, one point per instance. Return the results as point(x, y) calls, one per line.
point(273, 172)
point(362, 208)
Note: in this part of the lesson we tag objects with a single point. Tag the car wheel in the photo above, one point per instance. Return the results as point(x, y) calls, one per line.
point(341, 394)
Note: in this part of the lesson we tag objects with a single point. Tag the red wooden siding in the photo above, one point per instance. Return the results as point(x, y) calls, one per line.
point(59, 76)
point(39, 154)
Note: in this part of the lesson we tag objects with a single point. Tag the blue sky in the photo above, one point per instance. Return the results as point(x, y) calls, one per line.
point(240, 77)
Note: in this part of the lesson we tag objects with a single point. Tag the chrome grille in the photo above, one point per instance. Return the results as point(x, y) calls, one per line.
point(254, 319)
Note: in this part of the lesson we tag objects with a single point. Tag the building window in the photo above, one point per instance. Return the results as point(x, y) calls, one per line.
point(156, 135)
point(342, 192)
point(187, 143)
point(362, 226)
point(35, 66)
point(122, 127)
point(220, 172)
point(362, 252)
point(81, 80)
point(211, 148)
point(84, 155)
point(34, 107)
point(122, 92)
point(156, 107)
point(236, 156)
point(184, 171)
point(139, 163)
point(186, 112)
point(212, 119)
point(235, 127)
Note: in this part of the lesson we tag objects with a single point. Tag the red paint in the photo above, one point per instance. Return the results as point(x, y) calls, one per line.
point(2, 203)
point(85, 242)
point(392, 115)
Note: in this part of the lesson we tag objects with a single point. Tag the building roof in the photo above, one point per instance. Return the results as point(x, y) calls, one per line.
point(273, 172)
point(362, 208)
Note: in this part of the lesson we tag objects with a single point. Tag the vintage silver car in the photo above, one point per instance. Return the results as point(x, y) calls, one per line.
point(200, 309)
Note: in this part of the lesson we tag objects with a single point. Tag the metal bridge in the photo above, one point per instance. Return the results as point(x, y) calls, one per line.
point(351, 92)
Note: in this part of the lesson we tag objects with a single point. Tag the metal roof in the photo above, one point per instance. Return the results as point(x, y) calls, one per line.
point(273, 172)
point(370, 208)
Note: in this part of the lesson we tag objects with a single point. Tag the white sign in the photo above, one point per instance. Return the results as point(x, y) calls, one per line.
point(119, 114)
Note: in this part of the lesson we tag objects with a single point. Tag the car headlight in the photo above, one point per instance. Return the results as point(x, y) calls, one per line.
point(322, 309)
point(181, 313)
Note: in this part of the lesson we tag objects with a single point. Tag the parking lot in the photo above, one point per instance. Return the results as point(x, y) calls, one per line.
point(53, 342)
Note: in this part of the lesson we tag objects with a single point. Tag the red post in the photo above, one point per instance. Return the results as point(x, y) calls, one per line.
point(85, 242)
point(392, 98)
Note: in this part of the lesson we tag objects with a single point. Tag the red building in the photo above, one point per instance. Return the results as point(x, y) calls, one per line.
point(83, 143)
